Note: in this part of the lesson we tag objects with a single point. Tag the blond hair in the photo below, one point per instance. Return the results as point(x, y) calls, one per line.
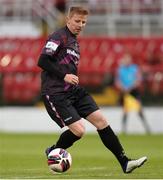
point(77, 10)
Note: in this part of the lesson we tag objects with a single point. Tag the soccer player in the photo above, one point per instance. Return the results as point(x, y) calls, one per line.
point(65, 100)
point(128, 81)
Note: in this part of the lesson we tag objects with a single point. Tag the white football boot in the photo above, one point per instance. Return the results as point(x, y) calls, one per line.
point(133, 164)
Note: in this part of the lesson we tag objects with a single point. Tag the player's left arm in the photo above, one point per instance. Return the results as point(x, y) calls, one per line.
point(138, 79)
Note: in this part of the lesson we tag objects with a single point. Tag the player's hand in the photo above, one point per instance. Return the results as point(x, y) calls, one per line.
point(72, 79)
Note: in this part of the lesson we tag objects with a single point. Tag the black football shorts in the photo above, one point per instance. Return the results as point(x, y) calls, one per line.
point(70, 107)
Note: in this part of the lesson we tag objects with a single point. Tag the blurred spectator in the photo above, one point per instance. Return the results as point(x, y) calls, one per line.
point(128, 82)
point(98, 7)
point(150, 6)
point(126, 6)
point(61, 6)
point(153, 54)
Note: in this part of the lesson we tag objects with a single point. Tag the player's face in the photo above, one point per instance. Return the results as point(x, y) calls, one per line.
point(76, 23)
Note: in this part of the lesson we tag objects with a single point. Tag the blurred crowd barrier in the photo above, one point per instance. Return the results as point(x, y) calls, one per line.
point(107, 17)
point(100, 57)
point(36, 120)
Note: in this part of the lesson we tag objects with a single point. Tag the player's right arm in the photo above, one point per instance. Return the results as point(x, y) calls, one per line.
point(45, 62)
point(48, 62)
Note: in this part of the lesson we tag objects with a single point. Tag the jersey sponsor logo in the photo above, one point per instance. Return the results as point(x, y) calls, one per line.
point(72, 52)
point(67, 119)
point(51, 45)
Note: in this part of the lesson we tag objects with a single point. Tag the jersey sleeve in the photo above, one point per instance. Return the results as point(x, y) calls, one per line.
point(52, 45)
point(48, 58)
point(46, 64)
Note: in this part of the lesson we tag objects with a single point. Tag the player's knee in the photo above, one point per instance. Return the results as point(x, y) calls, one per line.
point(77, 128)
point(80, 131)
point(102, 123)
point(98, 120)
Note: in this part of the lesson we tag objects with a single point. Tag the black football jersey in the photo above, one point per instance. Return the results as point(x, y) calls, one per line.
point(63, 49)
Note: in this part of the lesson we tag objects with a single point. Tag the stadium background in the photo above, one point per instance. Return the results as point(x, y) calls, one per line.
point(114, 27)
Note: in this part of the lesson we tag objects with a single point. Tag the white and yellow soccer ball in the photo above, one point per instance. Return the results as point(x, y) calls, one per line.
point(59, 160)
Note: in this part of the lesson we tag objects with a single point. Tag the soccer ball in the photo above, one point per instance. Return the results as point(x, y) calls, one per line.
point(59, 160)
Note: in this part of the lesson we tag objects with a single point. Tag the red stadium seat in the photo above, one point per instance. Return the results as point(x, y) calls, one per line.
point(99, 56)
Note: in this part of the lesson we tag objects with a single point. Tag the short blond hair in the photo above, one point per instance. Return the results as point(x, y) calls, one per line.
point(77, 10)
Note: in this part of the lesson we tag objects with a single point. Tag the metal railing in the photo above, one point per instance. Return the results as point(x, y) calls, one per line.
point(37, 11)
point(123, 18)
point(107, 17)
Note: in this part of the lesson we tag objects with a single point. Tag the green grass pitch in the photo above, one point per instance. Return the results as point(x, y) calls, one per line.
point(22, 157)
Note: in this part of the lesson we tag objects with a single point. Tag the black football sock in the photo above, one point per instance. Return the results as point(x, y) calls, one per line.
point(66, 139)
point(110, 140)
